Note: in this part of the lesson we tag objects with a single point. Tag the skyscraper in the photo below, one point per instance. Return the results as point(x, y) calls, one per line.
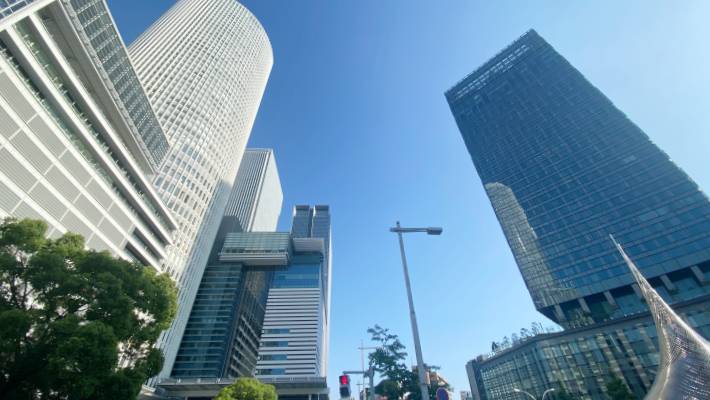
point(221, 339)
point(314, 223)
point(78, 137)
point(204, 64)
point(276, 281)
point(564, 168)
point(256, 199)
point(295, 339)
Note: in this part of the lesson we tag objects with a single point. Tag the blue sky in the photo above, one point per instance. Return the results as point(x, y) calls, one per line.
point(356, 114)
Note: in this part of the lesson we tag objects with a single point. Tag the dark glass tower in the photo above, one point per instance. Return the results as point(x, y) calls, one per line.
point(261, 309)
point(222, 334)
point(564, 168)
point(221, 339)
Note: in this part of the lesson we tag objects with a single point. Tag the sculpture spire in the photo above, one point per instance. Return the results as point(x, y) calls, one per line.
point(684, 370)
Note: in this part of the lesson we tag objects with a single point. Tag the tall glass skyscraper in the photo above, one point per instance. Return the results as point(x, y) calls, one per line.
point(293, 352)
point(296, 325)
point(256, 199)
point(564, 168)
point(265, 291)
point(204, 65)
point(221, 339)
point(314, 222)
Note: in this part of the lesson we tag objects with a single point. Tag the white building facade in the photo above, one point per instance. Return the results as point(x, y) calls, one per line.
point(75, 150)
point(204, 65)
point(256, 197)
point(293, 352)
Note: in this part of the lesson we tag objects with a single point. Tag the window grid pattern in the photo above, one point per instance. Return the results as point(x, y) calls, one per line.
point(221, 338)
point(204, 66)
point(295, 340)
point(54, 86)
point(564, 168)
point(108, 48)
point(581, 362)
point(9, 7)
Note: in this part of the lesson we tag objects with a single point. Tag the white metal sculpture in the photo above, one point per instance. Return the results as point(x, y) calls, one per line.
point(684, 370)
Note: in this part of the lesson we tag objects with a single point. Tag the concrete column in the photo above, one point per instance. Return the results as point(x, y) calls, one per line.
point(610, 299)
point(559, 313)
point(698, 274)
point(584, 305)
point(667, 283)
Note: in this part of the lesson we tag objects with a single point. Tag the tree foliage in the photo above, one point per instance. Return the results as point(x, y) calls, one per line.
point(389, 389)
point(388, 360)
point(76, 323)
point(247, 389)
point(515, 338)
point(616, 389)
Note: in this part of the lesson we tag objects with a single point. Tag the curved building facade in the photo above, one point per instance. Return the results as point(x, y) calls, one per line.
point(204, 65)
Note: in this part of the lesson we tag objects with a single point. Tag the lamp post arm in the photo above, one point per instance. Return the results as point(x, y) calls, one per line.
point(399, 229)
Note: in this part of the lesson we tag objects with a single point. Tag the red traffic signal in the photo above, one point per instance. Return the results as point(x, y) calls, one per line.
point(344, 387)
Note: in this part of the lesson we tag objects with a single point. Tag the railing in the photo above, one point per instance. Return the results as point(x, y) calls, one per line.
point(32, 43)
point(67, 131)
point(73, 137)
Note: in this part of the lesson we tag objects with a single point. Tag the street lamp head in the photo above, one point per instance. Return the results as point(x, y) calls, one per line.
point(434, 231)
point(516, 390)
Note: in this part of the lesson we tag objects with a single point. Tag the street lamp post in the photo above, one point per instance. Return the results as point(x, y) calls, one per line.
point(413, 317)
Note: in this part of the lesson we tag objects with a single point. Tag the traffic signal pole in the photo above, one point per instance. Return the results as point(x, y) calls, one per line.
point(370, 373)
point(371, 370)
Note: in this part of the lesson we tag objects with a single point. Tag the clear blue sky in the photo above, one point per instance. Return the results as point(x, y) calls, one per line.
point(356, 114)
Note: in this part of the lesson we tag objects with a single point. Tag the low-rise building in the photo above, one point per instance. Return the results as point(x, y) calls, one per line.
point(581, 361)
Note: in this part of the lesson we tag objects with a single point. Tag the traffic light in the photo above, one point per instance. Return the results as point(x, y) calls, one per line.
point(344, 386)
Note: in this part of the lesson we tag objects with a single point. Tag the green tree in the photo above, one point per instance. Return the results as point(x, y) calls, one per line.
point(388, 360)
point(388, 388)
point(616, 389)
point(247, 389)
point(75, 323)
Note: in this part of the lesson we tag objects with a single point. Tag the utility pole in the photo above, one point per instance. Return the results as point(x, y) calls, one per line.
point(370, 373)
point(362, 367)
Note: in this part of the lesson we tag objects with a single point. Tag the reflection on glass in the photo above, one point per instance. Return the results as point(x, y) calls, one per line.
point(544, 288)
